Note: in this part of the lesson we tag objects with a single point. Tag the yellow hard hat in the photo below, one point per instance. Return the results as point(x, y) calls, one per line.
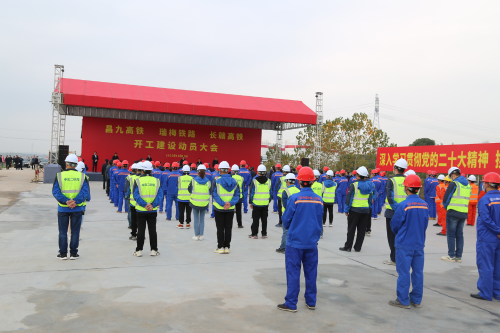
point(447, 179)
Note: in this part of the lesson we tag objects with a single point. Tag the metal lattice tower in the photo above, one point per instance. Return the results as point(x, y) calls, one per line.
point(279, 143)
point(58, 122)
point(376, 120)
point(319, 126)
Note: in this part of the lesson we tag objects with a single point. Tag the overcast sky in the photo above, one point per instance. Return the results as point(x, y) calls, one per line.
point(434, 64)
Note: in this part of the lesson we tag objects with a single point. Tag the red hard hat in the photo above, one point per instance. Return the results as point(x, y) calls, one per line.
point(143, 161)
point(130, 168)
point(306, 174)
point(185, 163)
point(193, 165)
point(79, 159)
point(382, 173)
point(326, 169)
point(167, 165)
point(492, 177)
point(206, 165)
point(377, 170)
point(374, 171)
point(412, 181)
point(246, 166)
point(342, 171)
point(216, 167)
point(157, 163)
point(175, 165)
point(125, 162)
point(337, 172)
point(434, 172)
point(354, 172)
point(243, 162)
point(298, 167)
point(429, 172)
point(119, 164)
point(278, 165)
point(115, 161)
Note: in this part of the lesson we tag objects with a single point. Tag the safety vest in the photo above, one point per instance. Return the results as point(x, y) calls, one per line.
point(460, 198)
point(439, 195)
point(239, 180)
point(131, 183)
point(317, 188)
point(200, 195)
point(289, 191)
point(328, 193)
point(148, 189)
point(474, 194)
point(70, 183)
point(225, 196)
point(182, 186)
point(261, 195)
point(282, 186)
point(360, 200)
point(399, 191)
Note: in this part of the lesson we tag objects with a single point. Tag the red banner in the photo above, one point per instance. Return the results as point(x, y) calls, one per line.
point(477, 159)
point(168, 142)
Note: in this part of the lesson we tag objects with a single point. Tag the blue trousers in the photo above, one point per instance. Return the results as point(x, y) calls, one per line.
point(432, 207)
point(116, 196)
point(111, 191)
point(164, 196)
point(294, 258)
point(404, 261)
point(275, 201)
point(488, 264)
point(245, 199)
point(168, 209)
point(455, 235)
point(121, 200)
point(341, 202)
point(375, 208)
point(76, 222)
point(381, 201)
point(283, 238)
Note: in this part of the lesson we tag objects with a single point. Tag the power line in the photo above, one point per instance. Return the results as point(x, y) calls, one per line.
point(9, 137)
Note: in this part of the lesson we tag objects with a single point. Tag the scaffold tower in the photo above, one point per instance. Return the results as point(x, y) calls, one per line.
point(58, 122)
point(376, 120)
point(319, 125)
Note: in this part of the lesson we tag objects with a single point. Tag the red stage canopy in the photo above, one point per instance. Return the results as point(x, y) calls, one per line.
point(104, 95)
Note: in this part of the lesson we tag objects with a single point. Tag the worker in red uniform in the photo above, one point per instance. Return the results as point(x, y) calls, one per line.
point(474, 197)
point(441, 212)
point(447, 181)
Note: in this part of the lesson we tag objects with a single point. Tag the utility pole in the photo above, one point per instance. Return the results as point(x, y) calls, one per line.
point(279, 142)
point(376, 120)
point(57, 121)
point(319, 130)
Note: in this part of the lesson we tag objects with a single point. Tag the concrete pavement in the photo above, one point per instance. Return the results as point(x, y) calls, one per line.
point(188, 288)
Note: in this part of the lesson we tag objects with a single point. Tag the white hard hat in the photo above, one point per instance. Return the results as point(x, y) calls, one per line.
point(235, 168)
point(224, 165)
point(409, 172)
point(286, 168)
point(453, 169)
point(80, 166)
point(261, 168)
point(147, 166)
point(201, 167)
point(441, 177)
point(139, 166)
point(290, 176)
point(362, 171)
point(472, 178)
point(186, 168)
point(329, 173)
point(71, 159)
point(401, 163)
point(316, 173)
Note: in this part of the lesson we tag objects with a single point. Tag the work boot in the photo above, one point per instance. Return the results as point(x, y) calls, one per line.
point(283, 307)
point(477, 296)
point(440, 234)
point(415, 305)
point(280, 250)
point(344, 249)
point(311, 307)
point(398, 304)
point(436, 225)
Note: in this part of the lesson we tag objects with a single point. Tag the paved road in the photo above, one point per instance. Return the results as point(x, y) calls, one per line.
point(188, 288)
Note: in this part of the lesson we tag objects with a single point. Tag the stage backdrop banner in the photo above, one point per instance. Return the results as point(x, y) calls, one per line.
point(168, 142)
point(476, 159)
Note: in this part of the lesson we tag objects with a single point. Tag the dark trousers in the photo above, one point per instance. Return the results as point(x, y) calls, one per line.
point(63, 219)
point(150, 220)
point(107, 187)
point(32, 167)
point(356, 222)
point(328, 209)
point(103, 183)
point(369, 224)
point(184, 206)
point(94, 166)
point(224, 224)
point(238, 212)
point(133, 221)
point(259, 213)
point(279, 210)
point(391, 238)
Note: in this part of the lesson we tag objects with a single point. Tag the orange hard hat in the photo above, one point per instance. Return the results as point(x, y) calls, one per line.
point(326, 169)
point(243, 162)
point(157, 163)
point(354, 172)
point(298, 167)
point(492, 177)
point(185, 163)
point(278, 165)
point(167, 165)
point(412, 181)
point(306, 174)
point(125, 162)
point(193, 165)
point(119, 164)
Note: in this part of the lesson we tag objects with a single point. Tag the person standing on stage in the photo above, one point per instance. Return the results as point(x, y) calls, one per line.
point(95, 160)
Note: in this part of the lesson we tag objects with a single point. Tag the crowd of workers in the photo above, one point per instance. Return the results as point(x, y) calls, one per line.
point(303, 199)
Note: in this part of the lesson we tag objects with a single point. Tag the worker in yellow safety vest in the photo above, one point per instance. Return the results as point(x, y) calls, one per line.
point(261, 194)
point(316, 186)
point(183, 197)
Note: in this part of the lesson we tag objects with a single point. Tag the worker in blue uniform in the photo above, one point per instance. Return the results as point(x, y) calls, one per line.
point(172, 181)
point(215, 176)
point(409, 223)
point(156, 171)
point(287, 193)
point(163, 182)
point(121, 178)
point(247, 180)
point(322, 178)
point(381, 195)
point(430, 193)
point(115, 182)
point(336, 180)
point(111, 181)
point(193, 172)
point(352, 179)
point(303, 218)
point(341, 191)
point(378, 186)
point(488, 239)
point(426, 185)
point(275, 178)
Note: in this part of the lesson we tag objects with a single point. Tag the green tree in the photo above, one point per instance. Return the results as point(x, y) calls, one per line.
point(423, 142)
point(286, 158)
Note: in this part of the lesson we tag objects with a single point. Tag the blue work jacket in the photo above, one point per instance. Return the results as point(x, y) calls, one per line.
point(409, 223)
